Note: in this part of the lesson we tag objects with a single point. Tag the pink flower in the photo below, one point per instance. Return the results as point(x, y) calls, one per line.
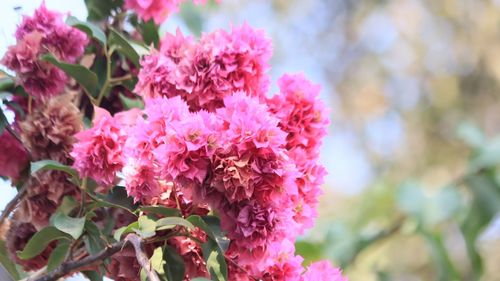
point(98, 152)
point(323, 271)
point(38, 78)
point(14, 157)
point(157, 10)
point(156, 77)
point(302, 115)
point(185, 152)
point(141, 172)
point(253, 162)
point(43, 33)
point(204, 73)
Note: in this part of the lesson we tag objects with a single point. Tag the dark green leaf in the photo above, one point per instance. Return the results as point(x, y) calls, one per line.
point(130, 49)
point(58, 255)
point(93, 275)
point(129, 103)
point(7, 262)
point(67, 205)
point(40, 241)
point(86, 78)
point(3, 122)
point(174, 267)
point(116, 198)
point(93, 238)
point(149, 31)
point(216, 263)
point(211, 226)
point(100, 9)
point(6, 83)
point(91, 29)
point(52, 165)
point(161, 210)
point(69, 225)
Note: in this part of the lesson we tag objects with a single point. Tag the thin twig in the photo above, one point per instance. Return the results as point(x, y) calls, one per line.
point(142, 258)
point(69, 267)
point(12, 204)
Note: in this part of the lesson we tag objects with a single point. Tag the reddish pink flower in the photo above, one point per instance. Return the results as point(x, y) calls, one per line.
point(38, 78)
point(43, 33)
point(302, 115)
point(157, 10)
point(98, 152)
point(323, 271)
point(14, 157)
point(192, 254)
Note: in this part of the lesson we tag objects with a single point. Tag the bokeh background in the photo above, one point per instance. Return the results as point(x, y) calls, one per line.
point(413, 191)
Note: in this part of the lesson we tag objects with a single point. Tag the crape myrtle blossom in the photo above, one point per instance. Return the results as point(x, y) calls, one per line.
point(98, 152)
point(156, 10)
point(205, 72)
point(208, 139)
point(45, 32)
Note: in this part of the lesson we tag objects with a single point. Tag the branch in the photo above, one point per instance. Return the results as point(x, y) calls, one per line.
point(141, 256)
point(12, 204)
point(68, 267)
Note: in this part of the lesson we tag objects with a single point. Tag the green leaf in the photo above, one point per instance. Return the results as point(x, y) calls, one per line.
point(149, 31)
point(69, 225)
point(52, 165)
point(471, 134)
point(130, 49)
point(3, 122)
point(211, 226)
point(161, 210)
point(174, 267)
point(200, 279)
point(192, 17)
point(58, 255)
point(484, 207)
point(147, 227)
point(93, 238)
point(173, 221)
point(6, 83)
point(100, 9)
point(129, 103)
point(116, 198)
point(93, 275)
point(487, 157)
point(67, 205)
point(308, 250)
point(86, 78)
point(125, 229)
point(91, 29)
point(40, 241)
point(216, 264)
point(157, 261)
point(445, 267)
point(7, 262)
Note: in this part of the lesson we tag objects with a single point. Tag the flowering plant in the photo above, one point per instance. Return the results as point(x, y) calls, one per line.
point(140, 158)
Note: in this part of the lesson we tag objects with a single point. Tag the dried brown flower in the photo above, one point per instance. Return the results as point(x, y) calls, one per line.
point(48, 131)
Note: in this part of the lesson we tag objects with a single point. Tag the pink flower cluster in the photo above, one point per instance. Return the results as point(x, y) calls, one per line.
point(157, 10)
point(209, 136)
point(44, 32)
point(205, 72)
